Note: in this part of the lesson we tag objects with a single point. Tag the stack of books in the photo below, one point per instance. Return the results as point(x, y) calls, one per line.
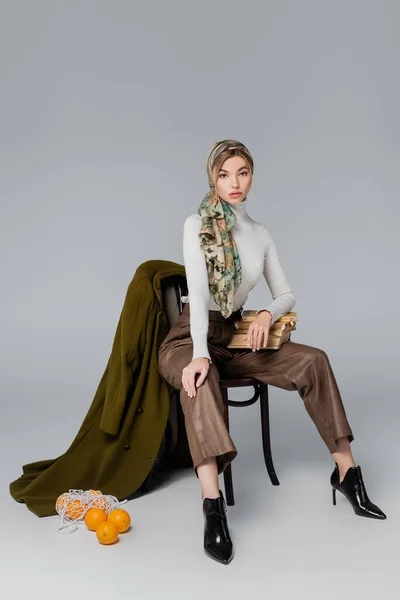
point(279, 332)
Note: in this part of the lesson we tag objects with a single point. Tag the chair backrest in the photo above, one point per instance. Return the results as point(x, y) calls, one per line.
point(173, 288)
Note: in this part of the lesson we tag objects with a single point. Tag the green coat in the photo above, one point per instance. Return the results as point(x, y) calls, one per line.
point(118, 441)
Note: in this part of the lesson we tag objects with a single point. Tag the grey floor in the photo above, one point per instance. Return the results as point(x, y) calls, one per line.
point(289, 540)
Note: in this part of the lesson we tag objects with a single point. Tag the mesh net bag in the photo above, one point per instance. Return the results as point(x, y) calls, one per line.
point(73, 505)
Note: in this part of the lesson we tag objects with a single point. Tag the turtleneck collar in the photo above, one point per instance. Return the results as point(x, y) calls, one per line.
point(239, 210)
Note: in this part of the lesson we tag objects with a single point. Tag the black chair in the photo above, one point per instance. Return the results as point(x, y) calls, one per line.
point(173, 289)
point(260, 392)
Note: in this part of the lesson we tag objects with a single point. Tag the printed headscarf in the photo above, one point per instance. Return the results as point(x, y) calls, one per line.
point(216, 240)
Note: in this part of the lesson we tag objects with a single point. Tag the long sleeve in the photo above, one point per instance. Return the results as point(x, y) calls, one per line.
point(283, 296)
point(197, 281)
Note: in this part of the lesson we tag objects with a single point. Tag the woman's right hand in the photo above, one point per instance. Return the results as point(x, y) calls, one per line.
point(197, 365)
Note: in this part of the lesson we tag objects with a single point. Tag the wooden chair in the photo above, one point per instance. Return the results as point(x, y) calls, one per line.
point(260, 392)
point(173, 289)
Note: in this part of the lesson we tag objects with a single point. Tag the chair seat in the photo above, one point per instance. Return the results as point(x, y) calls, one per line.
point(238, 382)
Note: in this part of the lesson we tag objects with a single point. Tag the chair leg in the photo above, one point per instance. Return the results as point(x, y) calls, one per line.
point(228, 483)
point(230, 498)
point(266, 440)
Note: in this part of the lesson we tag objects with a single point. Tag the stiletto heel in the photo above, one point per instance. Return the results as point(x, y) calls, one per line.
point(353, 488)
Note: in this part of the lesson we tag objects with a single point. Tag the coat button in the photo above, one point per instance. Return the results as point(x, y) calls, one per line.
point(127, 447)
point(139, 410)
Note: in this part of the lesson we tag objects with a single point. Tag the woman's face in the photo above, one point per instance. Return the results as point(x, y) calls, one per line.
point(234, 176)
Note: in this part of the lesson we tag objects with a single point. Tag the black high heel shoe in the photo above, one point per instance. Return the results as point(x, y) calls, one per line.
point(353, 488)
point(217, 542)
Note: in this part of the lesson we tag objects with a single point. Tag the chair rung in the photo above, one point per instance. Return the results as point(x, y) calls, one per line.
point(239, 382)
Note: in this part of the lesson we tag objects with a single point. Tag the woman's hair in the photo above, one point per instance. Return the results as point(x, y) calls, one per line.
point(234, 149)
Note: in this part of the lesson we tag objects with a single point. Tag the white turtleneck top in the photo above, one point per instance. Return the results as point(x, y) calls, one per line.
point(258, 256)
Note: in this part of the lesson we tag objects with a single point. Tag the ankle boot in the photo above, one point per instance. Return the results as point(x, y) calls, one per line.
point(217, 541)
point(353, 488)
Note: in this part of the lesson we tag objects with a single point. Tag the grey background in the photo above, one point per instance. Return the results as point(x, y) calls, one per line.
point(107, 112)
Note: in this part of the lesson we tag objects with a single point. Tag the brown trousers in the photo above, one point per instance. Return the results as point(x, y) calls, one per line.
point(292, 367)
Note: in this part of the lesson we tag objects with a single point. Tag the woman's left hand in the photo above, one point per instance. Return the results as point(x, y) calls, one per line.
point(257, 335)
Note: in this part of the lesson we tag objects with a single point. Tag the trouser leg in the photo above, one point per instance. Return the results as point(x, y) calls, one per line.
point(206, 429)
point(308, 370)
point(205, 424)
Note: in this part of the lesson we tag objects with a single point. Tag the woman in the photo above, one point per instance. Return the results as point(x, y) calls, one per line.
point(225, 254)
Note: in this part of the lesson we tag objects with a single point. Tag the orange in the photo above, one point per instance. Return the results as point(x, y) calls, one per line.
point(94, 517)
point(121, 519)
point(100, 503)
point(60, 501)
point(75, 509)
point(107, 532)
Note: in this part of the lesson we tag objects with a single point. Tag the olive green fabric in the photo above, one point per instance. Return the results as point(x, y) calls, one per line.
point(118, 441)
